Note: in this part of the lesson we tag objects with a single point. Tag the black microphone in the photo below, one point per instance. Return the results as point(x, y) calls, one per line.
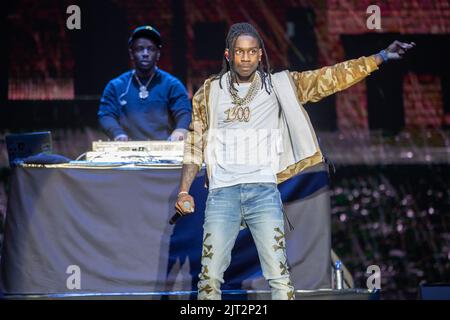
point(176, 216)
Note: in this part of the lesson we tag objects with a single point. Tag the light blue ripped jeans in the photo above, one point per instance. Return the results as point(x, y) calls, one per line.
point(259, 206)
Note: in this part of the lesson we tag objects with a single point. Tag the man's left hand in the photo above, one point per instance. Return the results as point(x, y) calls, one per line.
point(178, 135)
point(397, 49)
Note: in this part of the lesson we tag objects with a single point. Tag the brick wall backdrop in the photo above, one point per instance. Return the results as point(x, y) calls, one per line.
point(404, 17)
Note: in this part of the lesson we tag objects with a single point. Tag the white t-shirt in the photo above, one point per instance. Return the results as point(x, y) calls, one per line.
point(245, 151)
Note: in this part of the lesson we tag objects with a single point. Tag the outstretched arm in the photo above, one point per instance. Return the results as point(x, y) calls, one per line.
point(315, 85)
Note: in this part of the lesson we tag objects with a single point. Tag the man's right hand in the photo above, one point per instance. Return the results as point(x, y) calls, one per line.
point(121, 137)
point(185, 204)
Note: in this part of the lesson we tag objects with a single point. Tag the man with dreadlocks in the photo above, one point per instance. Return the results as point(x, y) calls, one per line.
point(251, 130)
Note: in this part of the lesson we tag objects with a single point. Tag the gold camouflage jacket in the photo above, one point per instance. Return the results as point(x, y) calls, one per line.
point(307, 86)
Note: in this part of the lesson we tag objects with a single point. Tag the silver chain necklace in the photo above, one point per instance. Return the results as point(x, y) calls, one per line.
point(143, 92)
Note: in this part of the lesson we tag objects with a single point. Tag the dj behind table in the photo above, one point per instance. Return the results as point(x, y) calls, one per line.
point(102, 225)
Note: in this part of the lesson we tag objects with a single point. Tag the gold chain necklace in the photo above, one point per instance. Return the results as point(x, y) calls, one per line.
point(143, 92)
point(241, 111)
point(251, 93)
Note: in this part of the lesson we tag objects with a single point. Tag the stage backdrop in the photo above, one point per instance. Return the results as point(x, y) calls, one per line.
point(111, 226)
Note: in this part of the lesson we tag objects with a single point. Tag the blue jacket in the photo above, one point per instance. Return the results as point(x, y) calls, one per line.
point(166, 108)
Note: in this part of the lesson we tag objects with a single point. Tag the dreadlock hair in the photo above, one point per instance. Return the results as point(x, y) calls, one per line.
point(263, 69)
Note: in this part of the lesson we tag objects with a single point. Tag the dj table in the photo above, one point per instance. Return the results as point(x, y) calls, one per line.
point(105, 229)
